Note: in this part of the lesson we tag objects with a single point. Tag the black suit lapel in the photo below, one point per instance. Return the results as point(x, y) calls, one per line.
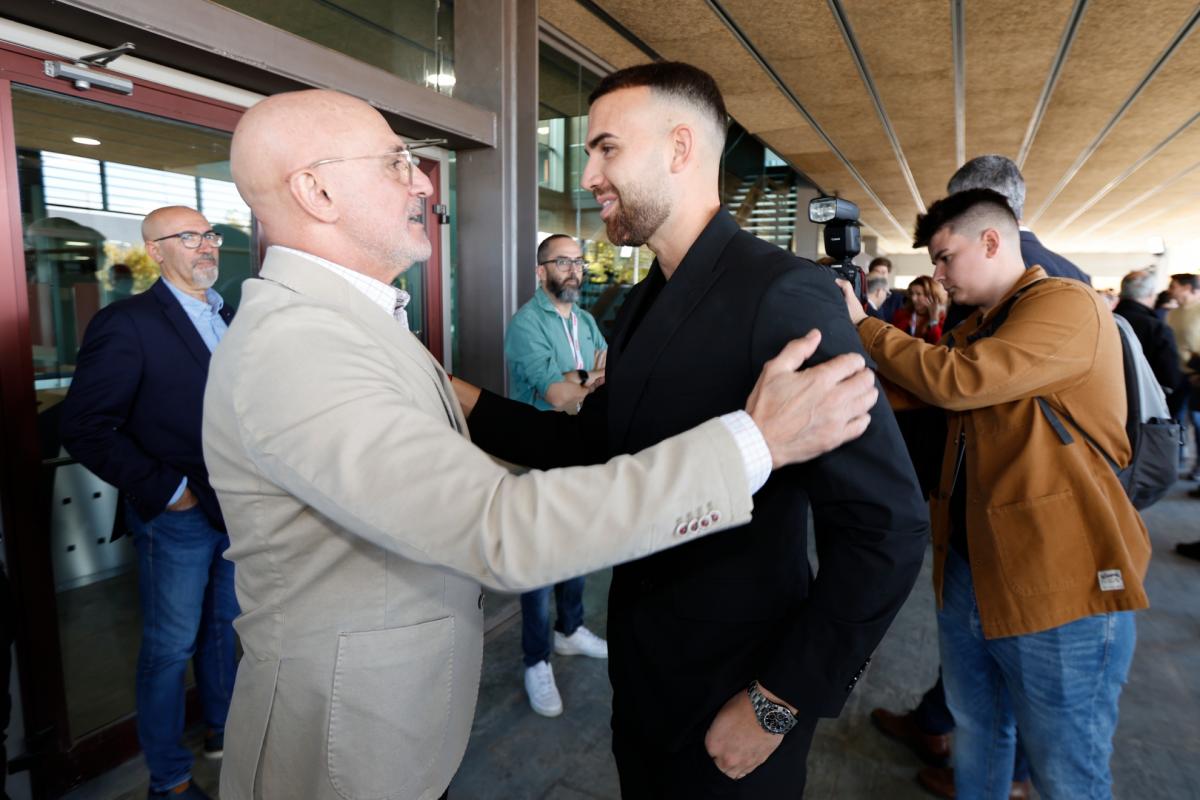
point(181, 322)
point(643, 342)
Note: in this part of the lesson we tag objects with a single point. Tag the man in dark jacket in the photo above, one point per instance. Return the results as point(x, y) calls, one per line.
point(132, 416)
point(722, 658)
point(1157, 339)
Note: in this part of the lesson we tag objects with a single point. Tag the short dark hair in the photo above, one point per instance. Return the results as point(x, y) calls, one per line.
point(1187, 279)
point(543, 251)
point(876, 283)
point(674, 79)
point(953, 209)
point(877, 260)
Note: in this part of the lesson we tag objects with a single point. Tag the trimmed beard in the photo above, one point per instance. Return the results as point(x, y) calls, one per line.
point(639, 214)
point(202, 277)
point(559, 291)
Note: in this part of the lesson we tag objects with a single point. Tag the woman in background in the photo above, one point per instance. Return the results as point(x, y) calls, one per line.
point(924, 310)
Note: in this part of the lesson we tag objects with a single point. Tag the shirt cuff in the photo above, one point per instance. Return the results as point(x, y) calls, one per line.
point(756, 456)
point(183, 483)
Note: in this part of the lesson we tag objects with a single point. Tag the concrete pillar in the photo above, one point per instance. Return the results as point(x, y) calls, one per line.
point(495, 63)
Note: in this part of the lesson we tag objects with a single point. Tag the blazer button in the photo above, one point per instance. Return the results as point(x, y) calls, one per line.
point(704, 523)
point(716, 516)
point(694, 526)
point(683, 529)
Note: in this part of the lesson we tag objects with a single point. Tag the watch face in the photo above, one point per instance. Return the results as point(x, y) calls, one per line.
point(777, 721)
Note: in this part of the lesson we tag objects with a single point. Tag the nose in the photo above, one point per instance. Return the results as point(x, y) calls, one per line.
point(421, 185)
point(591, 174)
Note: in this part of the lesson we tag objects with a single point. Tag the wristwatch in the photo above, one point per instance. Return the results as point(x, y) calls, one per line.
point(583, 377)
point(773, 717)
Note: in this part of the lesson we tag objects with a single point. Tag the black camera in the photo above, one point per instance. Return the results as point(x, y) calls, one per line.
point(843, 239)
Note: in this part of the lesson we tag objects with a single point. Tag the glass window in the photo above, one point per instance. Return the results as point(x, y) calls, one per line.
point(87, 173)
point(412, 39)
point(563, 205)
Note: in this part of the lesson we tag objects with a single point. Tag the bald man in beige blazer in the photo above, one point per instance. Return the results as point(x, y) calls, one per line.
point(362, 519)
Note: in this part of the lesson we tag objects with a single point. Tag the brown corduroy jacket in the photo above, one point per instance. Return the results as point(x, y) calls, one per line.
point(1051, 535)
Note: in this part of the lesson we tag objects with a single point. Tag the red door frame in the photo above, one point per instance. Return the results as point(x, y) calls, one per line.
point(57, 763)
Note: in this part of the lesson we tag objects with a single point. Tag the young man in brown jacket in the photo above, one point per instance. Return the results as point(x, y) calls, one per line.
point(1038, 554)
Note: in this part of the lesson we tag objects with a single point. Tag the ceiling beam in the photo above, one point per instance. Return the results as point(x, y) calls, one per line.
point(864, 72)
point(1117, 181)
point(745, 42)
point(1135, 202)
point(1060, 58)
point(958, 27)
point(1088, 151)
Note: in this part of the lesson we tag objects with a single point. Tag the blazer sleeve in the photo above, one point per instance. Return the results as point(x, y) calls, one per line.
point(871, 524)
point(96, 410)
point(323, 416)
point(1047, 344)
point(521, 434)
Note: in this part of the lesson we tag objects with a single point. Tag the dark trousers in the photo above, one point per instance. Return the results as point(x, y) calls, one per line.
point(648, 772)
point(933, 717)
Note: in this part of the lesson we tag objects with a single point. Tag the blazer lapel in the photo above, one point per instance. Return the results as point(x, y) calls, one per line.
point(643, 346)
point(311, 279)
point(181, 322)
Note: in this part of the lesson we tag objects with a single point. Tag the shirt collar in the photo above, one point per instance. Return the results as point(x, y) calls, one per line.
point(543, 299)
point(212, 304)
point(384, 295)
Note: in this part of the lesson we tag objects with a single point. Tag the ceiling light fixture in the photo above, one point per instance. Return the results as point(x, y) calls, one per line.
point(89, 141)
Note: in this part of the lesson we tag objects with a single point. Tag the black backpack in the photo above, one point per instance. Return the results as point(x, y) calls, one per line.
point(1154, 437)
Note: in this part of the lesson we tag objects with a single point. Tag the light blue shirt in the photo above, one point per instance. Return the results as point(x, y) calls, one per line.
point(205, 315)
point(206, 318)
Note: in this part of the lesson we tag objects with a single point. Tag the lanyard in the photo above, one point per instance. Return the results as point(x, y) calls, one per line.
point(573, 340)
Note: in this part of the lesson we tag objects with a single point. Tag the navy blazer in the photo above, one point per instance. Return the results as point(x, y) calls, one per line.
point(132, 415)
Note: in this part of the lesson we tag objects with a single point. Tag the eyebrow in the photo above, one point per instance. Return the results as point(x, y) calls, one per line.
point(597, 139)
point(939, 254)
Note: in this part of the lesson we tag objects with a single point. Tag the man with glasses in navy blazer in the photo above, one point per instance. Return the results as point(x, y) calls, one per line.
point(132, 416)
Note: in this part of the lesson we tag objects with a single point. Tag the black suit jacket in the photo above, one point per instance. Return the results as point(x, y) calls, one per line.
point(1158, 343)
point(691, 626)
point(133, 412)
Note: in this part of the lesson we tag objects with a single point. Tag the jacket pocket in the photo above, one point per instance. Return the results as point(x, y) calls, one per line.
point(1043, 544)
point(390, 709)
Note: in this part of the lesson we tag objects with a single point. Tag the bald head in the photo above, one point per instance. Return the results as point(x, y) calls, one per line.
point(323, 173)
point(170, 220)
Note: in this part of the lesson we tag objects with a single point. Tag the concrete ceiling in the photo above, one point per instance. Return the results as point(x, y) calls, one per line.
point(881, 100)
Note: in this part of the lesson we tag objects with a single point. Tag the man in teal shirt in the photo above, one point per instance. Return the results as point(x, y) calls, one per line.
point(555, 355)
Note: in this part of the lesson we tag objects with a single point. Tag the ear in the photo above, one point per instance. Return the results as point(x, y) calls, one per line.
point(541, 274)
point(310, 193)
point(683, 147)
point(154, 250)
point(991, 242)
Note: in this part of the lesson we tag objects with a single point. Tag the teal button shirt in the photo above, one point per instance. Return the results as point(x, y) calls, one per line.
point(538, 350)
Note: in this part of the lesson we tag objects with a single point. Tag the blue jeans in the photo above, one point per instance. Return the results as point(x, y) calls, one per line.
point(188, 608)
point(933, 716)
point(1061, 686)
point(535, 617)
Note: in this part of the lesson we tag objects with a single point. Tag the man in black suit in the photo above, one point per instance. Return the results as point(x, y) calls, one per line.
point(1138, 293)
point(724, 654)
point(132, 416)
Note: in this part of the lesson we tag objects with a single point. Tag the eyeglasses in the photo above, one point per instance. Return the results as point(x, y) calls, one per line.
point(400, 164)
point(562, 263)
point(191, 240)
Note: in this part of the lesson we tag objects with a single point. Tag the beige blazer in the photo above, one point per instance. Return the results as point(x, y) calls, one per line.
point(363, 521)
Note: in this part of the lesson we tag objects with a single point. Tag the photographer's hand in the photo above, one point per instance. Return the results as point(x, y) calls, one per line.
point(857, 314)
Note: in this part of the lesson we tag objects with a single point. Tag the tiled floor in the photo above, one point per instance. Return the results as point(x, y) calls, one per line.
point(516, 755)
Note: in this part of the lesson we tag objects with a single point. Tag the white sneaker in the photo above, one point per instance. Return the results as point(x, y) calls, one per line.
point(543, 694)
point(580, 643)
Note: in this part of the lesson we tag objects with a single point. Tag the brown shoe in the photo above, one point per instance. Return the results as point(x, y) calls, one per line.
point(940, 781)
point(931, 748)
